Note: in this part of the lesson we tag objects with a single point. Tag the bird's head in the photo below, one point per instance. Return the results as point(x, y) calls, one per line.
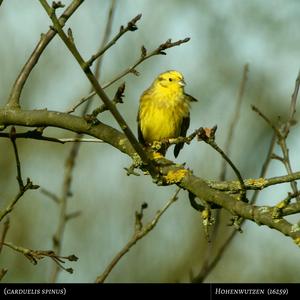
point(170, 79)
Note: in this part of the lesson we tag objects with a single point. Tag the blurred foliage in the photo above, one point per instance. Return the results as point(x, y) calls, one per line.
point(224, 36)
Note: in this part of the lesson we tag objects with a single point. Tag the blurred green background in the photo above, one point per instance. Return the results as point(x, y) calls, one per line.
point(224, 36)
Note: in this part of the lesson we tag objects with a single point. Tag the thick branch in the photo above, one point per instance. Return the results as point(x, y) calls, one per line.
point(197, 186)
point(260, 215)
point(40, 118)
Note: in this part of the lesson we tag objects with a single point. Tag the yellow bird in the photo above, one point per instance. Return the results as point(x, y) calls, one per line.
point(164, 111)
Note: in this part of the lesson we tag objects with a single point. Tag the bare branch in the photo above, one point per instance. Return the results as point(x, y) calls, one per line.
point(14, 98)
point(131, 26)
point(33, 134)
point(276, 130)
point(158, 51)
point(2, 273)
point(22, 188)
point(28, 186)
point(140, 231)
point(50, 195)
point(206, 267)
point(234, 119)
point(4, 232)
point(118, 98)
point(99, 90)
point(35, 255)
point(19, 175)
point(291, 120)
point(99, 62)
point(112, 136)
point(211, 141)
point(282, 133)
point(80, 102)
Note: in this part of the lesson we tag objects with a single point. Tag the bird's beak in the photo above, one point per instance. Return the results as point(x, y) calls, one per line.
point(182, 82)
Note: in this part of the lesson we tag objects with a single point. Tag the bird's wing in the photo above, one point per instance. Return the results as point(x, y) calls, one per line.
point(184, 127)
point(191, 98)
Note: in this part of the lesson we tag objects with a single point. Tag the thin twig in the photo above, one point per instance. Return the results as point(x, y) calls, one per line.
point(28, 186)
point(131, 26)
point(19, 174)
point(140, 231)
point(210, 140)
point(118, 98)
point(34, 135)
point(158, 51)
point(276, 130)
point(105, 38)
point(207, 268)
point(282, 133)
point(58, 236)
point(35, 255)
point(291, 120)
point(50, 195)
point(4, 232)
point(80, 102)
point(233, 124)
point(22, 188)
point(265, 166)
point(234, 120)
point(281, 139)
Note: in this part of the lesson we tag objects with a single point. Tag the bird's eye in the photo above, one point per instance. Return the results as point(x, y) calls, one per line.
point(170, 79)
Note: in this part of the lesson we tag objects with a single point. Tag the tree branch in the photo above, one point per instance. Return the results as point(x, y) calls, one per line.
point(252, 183)
point(35, 135)
point(140, 231)
point(22, 188)
point(262, 215)
point(4, 232)
point(14, 98)
point(35, 255)
point(210, 140)
point(131, 26)
point(207, 266)
point(283, 131)
point(100, 92)
point(2, 273)
point(234, 120)
point(291, 120)
point(118, 140)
